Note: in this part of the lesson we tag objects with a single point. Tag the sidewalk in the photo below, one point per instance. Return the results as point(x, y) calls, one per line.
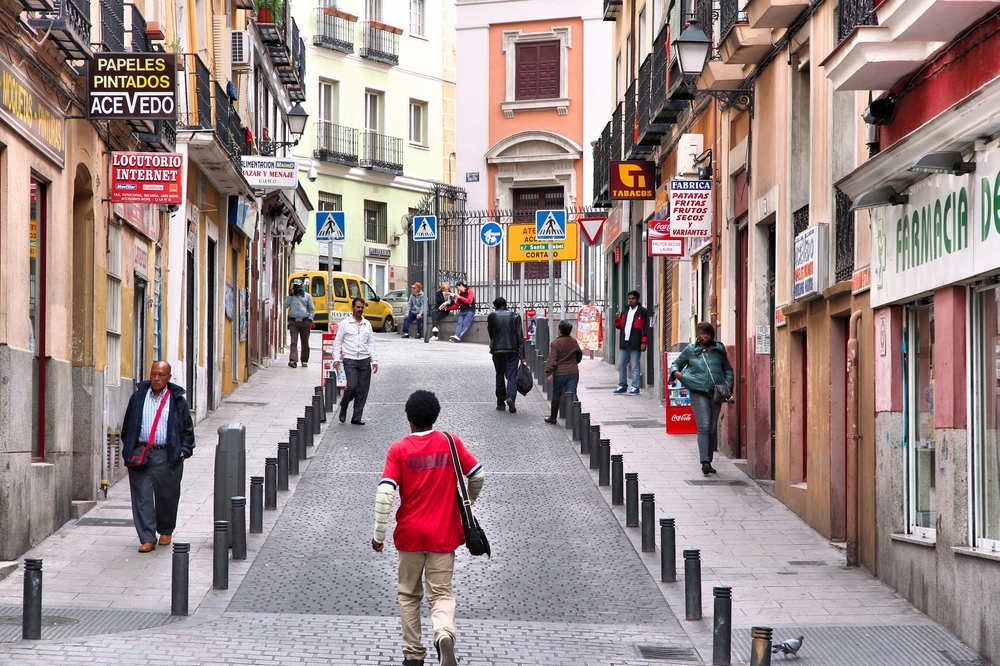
point(94, 563)
point(783, 574)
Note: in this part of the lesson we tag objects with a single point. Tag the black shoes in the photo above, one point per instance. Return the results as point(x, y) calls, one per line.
point(501, 408)
point(304, 364)
point(510, 406)
point(292, 364)
point(549, 420)
point(353, 422)
point(706, 468)
point(446, 651)
point(343, 415)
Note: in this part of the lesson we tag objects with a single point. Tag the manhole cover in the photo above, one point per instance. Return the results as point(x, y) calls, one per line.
point(667, 652)
point(716, 482)
point(47, 620)
point(105, 522)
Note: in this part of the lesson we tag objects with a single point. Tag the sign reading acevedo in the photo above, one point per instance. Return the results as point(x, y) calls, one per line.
point(146, 177)
point(132, 86)
point(271, 172)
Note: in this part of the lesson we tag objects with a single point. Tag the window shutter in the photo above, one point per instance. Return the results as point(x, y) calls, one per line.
point(537, 71)
point(527, 72)
point(548, 70)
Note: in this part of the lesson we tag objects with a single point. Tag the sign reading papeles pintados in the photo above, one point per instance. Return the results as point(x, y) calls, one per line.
point(146, 177)
point(132, 86)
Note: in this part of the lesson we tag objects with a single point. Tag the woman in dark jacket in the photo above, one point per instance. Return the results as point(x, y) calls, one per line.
point(563, 366)
point(442, 298)
point(700, 367)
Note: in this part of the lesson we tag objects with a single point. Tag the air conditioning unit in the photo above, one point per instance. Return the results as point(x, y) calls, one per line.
point(242, 49)
point(689, 147)
point(394, 240)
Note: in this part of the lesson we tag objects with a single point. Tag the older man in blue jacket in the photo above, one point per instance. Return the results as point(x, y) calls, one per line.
point(157, 414)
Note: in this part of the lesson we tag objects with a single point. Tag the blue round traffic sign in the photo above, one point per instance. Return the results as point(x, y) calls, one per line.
point(491, 234)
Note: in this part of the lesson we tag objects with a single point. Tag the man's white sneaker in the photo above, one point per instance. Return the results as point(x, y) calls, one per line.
point(446, 651)
point(455, 338)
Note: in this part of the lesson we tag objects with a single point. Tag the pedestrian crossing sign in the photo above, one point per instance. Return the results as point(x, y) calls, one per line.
point(550, 225)
point(330, 226)
point(425, 228)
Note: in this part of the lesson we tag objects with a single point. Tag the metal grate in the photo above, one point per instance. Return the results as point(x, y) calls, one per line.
point(114, 450)
point(729, 15)
point(60, 623)
point(800, 220)
point(852, 13)
point(105, 522)
point(716, 482)
point(844, 241)
point(667, 652)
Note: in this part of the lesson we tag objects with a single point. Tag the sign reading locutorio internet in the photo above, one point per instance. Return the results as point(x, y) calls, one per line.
point(132, 86)
point(948, 232)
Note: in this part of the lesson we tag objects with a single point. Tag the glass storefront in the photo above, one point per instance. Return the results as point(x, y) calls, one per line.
point(920, 421)
point(986, 415)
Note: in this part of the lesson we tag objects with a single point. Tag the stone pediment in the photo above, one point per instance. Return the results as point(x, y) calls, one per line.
point(533, 146)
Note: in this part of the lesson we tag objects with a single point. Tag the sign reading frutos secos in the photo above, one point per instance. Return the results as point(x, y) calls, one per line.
point(949, 231)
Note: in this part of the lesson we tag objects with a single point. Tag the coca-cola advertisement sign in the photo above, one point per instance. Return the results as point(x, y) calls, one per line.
point(681, 417)
point(661, 243)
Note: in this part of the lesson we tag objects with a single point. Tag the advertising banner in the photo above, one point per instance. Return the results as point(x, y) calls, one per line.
point(690, 208)
point(680, 416)
point(152, 178)
point(276, 173)
point(523, 246)
point(28, 111)
point(132, 86)
point(327, 364)
point(589, 332)
point(659, 241)
point(633, 180)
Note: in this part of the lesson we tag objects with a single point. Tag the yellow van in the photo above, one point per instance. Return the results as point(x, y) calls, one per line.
point(346, 287)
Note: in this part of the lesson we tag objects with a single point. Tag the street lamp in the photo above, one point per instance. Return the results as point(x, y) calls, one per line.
point(692, 48)
point(297, 118)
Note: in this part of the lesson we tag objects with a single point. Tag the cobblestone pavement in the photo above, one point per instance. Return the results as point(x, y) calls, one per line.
point(566, 585)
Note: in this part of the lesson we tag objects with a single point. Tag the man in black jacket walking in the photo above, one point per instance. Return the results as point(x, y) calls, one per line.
point(157, 413)
point(506, 345)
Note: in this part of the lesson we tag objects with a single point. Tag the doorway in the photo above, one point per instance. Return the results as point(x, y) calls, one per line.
point(377, 274)
point(742, 352)
point(139, 330)
point(210, 323)
point(189, 336)
point(38, 222)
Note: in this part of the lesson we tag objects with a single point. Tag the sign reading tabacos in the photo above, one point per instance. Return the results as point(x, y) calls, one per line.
point(146, 177)
point(633, 180)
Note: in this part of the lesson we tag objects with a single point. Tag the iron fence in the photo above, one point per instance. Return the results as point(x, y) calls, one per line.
point(844, 238)
point(708, 18)
point(491, 273)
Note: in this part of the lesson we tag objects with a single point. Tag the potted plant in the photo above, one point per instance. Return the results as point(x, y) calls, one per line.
point(271, 11)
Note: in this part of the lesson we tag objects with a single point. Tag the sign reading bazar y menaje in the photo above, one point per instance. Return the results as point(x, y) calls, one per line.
point(147, 177)
point(271, 172)
point(132, 86)
point(690, 208)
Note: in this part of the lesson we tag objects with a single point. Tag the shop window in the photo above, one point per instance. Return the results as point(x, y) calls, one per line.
point(986, 418)
point(919, 425)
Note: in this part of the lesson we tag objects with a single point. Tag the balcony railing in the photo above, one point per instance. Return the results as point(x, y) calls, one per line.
point(163, 138)
point(112, 26)
point(381, 153)
point(615, 149)
point(844, 238)
point(602, 168)
point(140, 42)
point(380, 42)
point(612, 8)
point(335, 29)
point(800, 220)
point(336, 143)
point(68, 27)
point(707, 17)
point(197, 86)
point(729, 15)
point(851, 14)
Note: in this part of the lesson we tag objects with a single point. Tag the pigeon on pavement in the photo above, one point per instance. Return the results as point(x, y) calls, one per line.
point(789, 647)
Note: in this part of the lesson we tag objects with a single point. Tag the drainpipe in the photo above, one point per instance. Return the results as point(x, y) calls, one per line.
point(852, 441)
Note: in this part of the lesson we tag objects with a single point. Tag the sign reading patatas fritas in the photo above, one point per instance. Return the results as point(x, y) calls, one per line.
point(132, 86)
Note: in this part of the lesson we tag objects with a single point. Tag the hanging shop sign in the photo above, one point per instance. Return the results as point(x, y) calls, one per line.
point(811, 263)
point(948, 231)
point(523, 246)
point(613, 226)
point(141, 217)
point(29, 112)
point(659, 241)
point(147, 177)
point(691, 208)
point(243, 215)
point(633, 180)
point(273, 173)
point(132, 86)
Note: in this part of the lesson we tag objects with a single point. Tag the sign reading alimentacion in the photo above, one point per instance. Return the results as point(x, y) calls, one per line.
point(132, 86)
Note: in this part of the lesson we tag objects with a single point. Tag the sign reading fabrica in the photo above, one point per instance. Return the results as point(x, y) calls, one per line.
point(146, 177)
point(271, 172)
point(690, 208)
point(132, 86)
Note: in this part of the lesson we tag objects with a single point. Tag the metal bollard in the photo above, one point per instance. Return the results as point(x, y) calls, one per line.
point(301, 428)
point(568, 424)
point(604, 463)
point(220, 556)
point(585, 432)
point(617, 480)
point(692, 584)
point(760, 647)
point(282, 480)
point(631, 499)
point(238, 523)
point(330, 390)
point(31, 611)
point(549, 388)
point(321, 404)
point(270, 483)
point(595, 444)
point(564, 403)
point(575, 416)
point(722, 626)
point(668, 551)
point(294, 445)
point(648, 523)
point(311, 434)
point(179, 579)
point(256, 504)
point(317, 408)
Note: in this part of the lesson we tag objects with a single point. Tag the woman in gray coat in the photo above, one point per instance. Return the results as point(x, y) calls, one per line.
point(700, 367)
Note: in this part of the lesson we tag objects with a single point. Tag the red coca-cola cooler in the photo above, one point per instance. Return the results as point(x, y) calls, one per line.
point(680, 416)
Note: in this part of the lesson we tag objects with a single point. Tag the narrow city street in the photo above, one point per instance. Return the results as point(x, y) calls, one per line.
point(566, 583)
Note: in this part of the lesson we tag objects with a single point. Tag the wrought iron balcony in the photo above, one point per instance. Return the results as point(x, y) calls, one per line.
point(633, 150)
point(844, 238)
point(851, 14)
point(800, 220)
point(380, 42)
point(297, 93)
point(335, 29)
point(381, 153)
point(163, 138)
point(612, 8)
point(140, 42)
point(729, 15)
point(666, 102)
point(708, 17)
point(68, 27)
point(37, 5)
point(617, 122)
point(336, 143)
point(112, 26)
point(196, 111)
point(602, 168)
